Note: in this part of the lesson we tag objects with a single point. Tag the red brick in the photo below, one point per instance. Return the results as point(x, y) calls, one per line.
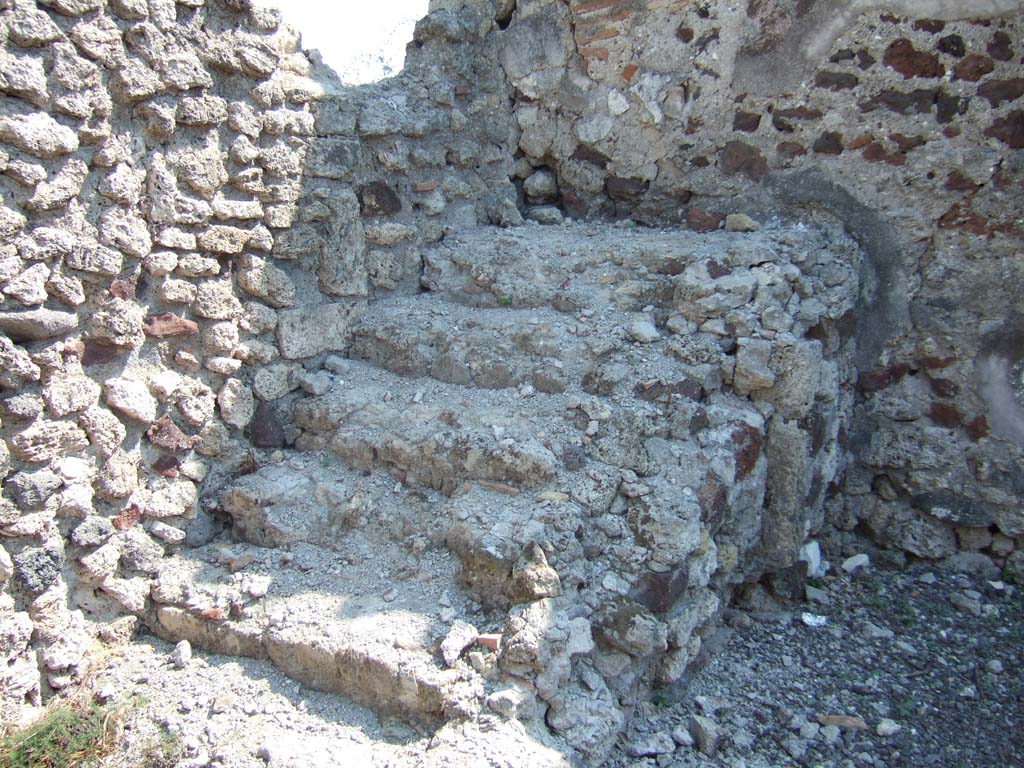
point(605, 34)
point(977, 428)
point(860, 141)
point(702, 221)
point(594, 5)
point(168, 324)
point(738, 157)
point(880, 378)
point(945, 415)
point(973, 67)
point(957, 182)
point(1009, 129)
point(910, 62)
point(791, 149)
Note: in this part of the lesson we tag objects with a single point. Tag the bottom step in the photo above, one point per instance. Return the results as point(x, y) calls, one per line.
point(329, 624)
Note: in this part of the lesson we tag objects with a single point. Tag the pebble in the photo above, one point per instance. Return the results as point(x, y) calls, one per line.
point(650, 745)
point(888, 727)
point(995, 666)
point(711, 705)
point(682, 737)
point(706, 733)
point(795, 747)
point(851, 564)
point(740, 222)
point(107, 692)
point(809, 730)
point(743, 740)
point(182, 654)
point(966, 603)
point(830, 734)
point(459, 638)
point(816, 595)
point(643, 331)
point(875, 632)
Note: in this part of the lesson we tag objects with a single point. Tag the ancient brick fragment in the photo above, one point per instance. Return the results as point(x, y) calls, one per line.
point(746, 121)
point(880, 378)
point(164, 433)
point(702, 221)
point(782, 118)
point(1001, 46)
point(166, 465)
point(790, 149)
point(999, 91)
point(265, 429)
point(168, 324)
point(829, 143)
point(931, 26)
point(920, 100)
point(741, 158)
point(972, 68)
point(910, 62)
point(836, 81)
point(1009, 129)
point(749, 442)
point(945, 415)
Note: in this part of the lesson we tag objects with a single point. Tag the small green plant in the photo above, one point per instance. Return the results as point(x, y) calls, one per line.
point(163, 751)
point(905, 708)
point(873, 601)
point(76, 732)
point(505, 301)
point(1009, 574)
point(71, 734)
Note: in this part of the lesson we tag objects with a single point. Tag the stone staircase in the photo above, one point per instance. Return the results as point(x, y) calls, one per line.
point(530, 488)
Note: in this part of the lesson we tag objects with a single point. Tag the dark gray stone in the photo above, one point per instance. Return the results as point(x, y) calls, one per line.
point(38, 568)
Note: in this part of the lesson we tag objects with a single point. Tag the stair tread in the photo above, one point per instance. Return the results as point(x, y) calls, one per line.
point(334, 621)
point(495, 348)
point(587, 265)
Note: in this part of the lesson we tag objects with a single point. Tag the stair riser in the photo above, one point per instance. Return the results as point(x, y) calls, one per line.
point(442, 465)
point(383, 686)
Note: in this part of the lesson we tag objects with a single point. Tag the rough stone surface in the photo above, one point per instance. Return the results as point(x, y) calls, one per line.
point(224, 272)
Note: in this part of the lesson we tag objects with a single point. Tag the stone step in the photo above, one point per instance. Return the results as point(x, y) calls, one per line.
point(540, 348)
point(570, 268)
point(783, 279)
point(348, 621)
point(315, 499)
point(438, 434)
point(441, 435)
point(377, 614)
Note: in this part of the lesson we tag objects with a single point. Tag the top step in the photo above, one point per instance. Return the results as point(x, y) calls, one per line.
point(587, 266)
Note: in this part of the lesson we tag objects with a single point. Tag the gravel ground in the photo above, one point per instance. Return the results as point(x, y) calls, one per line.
point(926, 665)
point(913, 668)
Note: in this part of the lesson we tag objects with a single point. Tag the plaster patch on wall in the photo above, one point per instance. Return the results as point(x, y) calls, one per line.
point(1000, 371)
